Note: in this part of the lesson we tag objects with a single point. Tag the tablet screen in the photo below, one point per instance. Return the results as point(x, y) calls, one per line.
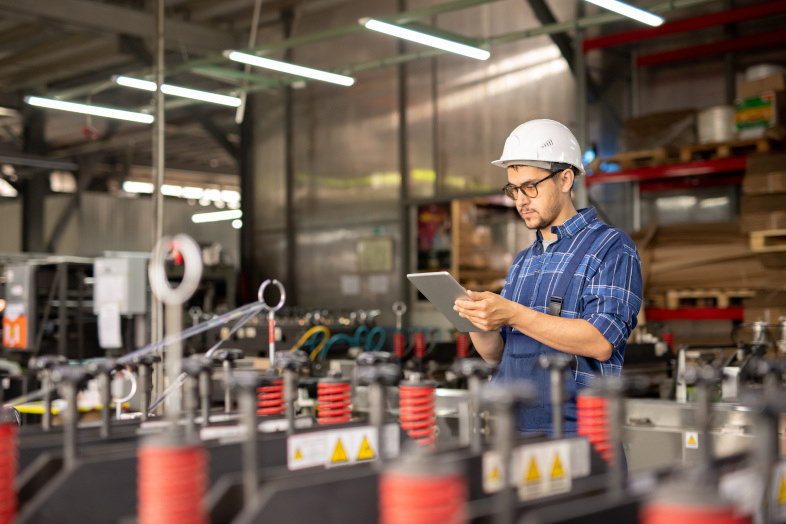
point(442, 290)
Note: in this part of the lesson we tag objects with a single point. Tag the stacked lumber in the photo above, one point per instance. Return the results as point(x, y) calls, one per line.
point(701, 257)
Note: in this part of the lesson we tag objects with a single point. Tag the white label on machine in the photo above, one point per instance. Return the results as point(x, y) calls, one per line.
point(340, 447)
point(691, 440)
point(537, 470)
point(109, 326)
point(779, 492)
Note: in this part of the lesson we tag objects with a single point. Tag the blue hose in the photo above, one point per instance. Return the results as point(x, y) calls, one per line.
point(361, 338)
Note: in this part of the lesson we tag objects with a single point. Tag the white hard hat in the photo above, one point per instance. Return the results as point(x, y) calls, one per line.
point(540, 143)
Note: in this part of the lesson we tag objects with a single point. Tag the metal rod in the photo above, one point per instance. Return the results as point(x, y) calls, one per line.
point(475, 440)
point(46, 385)
point(192, 393)
point(158, 138)
point(580, 72)
point(616, 420)
point(248, 410)
point(505, 429)
point(174, 358)
point(62, 319)
point(106, 399)
point(377, 397)
point(290, 393)
point(145, 389)
point(556, 376)
point(204, 390)
point(227, 390)
point(69, 429)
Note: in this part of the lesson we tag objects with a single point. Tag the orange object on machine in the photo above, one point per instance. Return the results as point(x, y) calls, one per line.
point(270, 397)
point(8, 466)
point(416, 412)
point(593, 422)
point(462, 345)
point(334, 401)
point(171, 484)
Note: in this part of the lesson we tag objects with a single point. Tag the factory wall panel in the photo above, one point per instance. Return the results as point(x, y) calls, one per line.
point(11, 222)
point(346, 141)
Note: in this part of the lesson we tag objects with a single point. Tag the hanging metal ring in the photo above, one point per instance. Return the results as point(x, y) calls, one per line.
point(281, 290)
point(192, 269)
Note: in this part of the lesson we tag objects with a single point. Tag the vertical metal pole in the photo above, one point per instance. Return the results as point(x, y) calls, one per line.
point(403, 162)
point(62, 319)
point(376, 404)
point(557, 400)
point(248, 410)
point(104, 382)
point(156, 307)
point(144, 389)
point(69, 429)
point(174, 359)
point(289, 173)
point(46, 384)
point(227, 390)
point(505, 428)
point(439, 176)
point(475, 440)
point(204, 392)
point(580, 71)
point(290, 393)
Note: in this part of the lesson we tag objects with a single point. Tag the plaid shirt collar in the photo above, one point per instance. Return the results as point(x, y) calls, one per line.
point(572, 225)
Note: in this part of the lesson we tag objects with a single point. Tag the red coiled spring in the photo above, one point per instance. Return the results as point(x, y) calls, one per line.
point(422, 498)
point(270, 398)
point(8, 452)
point(462, 345)
point(171, 484)
point(593, 423)
point(662, 512)
point(416, 412)
point(334, 401)
point(399, 344)
point(420, 345)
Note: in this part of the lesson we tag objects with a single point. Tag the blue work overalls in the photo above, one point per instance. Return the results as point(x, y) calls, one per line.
point(521, 363)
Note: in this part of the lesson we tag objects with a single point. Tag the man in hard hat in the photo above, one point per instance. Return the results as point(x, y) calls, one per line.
point(576, 290)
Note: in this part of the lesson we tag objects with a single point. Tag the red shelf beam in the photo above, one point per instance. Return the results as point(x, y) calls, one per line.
point(646, 174)
point(694, 313)
point(687, 24)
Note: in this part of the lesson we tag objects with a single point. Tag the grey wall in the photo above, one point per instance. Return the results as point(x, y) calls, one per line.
point(347, 172)
point(10, 220)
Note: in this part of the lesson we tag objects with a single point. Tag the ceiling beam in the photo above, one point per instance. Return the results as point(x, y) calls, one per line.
point(115, 19)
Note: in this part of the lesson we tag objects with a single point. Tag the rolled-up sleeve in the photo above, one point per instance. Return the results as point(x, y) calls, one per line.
point(612, 299)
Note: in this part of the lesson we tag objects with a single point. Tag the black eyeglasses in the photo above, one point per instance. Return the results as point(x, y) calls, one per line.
point(530, 189)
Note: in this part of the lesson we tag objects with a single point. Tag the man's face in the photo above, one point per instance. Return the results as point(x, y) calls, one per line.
point(539, 212)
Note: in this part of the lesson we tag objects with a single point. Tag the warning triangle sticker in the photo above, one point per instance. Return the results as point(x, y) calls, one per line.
point(365, 453)
point(782, 492)
point(692, 440)
point(339, 453)
point(557, 471)
point(495, 475)
point(533, 473)
point(298, 454)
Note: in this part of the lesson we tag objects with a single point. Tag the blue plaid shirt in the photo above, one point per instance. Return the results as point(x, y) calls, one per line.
point(606, 289)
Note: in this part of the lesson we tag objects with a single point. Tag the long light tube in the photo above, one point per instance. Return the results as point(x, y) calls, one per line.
point(422, 38)
point(85, 109)
point(184, 92)
point(291, 69)
point(640, 15)
point(216, 216)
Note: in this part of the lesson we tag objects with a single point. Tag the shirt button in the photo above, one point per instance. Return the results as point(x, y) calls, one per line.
point(532, 297)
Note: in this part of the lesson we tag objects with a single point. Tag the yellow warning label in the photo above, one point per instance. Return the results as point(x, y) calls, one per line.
point(339, 453)
point(782, 492)
point(557, 471)
point(495, 475)
point(365, 453)
point(533, 473)
point(692, 440)
point(298, 454)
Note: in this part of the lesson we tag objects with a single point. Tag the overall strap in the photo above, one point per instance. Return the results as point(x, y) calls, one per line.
point(555, 301)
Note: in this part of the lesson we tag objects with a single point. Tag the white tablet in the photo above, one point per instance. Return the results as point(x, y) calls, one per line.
point(442, 290)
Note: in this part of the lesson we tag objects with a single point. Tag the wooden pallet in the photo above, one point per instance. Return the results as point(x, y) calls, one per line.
point(768, 241)
point(715, 297)
point(724, 149)
point(644, 158)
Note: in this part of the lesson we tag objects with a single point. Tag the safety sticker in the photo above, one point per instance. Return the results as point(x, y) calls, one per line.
point(559, 478)
point(340, 447)
point(691, 440)
point(530, 472)
point(492, 472)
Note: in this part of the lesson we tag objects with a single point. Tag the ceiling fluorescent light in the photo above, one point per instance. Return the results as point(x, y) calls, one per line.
point(425, 39)
point(291, 69)
point(184, 92)
point(640, 15)
point(73, 107)
point(216, 216)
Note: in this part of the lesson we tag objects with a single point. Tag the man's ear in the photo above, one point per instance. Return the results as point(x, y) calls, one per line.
point(566, 179)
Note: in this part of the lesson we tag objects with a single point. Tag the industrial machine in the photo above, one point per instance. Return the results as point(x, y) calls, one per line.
point(362, 426)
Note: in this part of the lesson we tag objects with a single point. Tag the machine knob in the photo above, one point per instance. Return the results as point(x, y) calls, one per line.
point(246, 379)
point(146, 360)
point(383, 373)
point(477, 367)
point(373, 358)
point(505, 396)
point(46, 362)
point(70, 374)
point(196, 365)
point(102, 366)
point(555, 361)
point(292, 360)
point(222, 355)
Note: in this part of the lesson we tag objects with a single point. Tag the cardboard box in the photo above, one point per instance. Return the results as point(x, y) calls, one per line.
point(755, 115)
point(774, 182)
point(763, 203)
point(655, 130)
point(753, 88)
point(761, 221)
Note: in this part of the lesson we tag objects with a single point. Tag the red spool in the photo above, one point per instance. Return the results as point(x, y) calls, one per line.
point(410, 498)
point(462, 345)
point(593, 423)
point(270, 398)
point(420, 345)
point(416, 412)
point(8, 465)
point(399, 344)
point(334, 401)
point(171, 484)
point(661, 512)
